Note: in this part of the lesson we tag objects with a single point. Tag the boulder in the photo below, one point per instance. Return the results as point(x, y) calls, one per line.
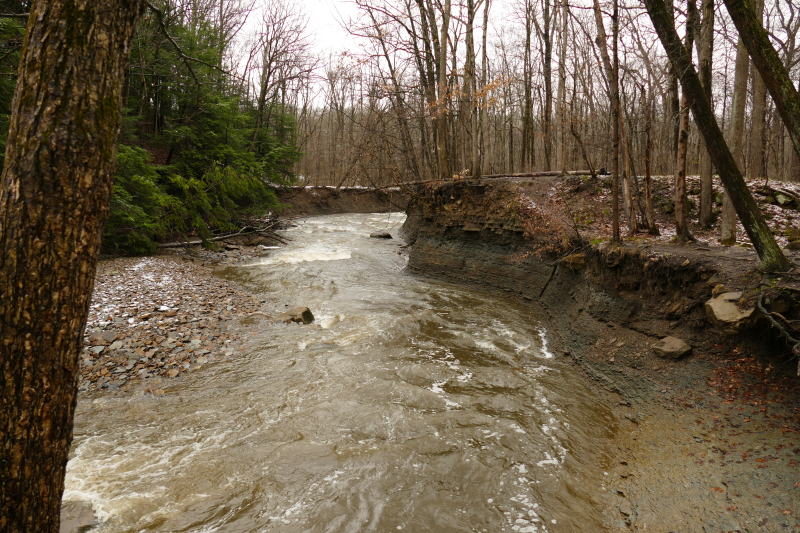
point(672, 347)
point(380, 235)
point(723, 311)
point(76, 517)
point(301, 315)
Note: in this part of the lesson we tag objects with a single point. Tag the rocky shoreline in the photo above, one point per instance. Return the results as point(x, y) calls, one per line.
point(155, 318)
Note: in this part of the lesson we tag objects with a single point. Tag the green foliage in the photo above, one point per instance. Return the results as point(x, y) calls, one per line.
point(197, 154)
point(215, 158)
point(137, 205)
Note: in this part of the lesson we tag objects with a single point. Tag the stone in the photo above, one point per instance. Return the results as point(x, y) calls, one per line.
point(672, 347)
point(98, 349)
point(146, 316)
point(575, 261)
point(173, 373)
point(76, 517)
point(163, 309)
point(116, 345)
point(380, 235)
point(103, 339)
point(723, 311)
point(299, 315)
point(625, 508)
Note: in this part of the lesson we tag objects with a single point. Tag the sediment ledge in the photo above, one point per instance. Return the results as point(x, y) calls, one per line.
point(309, 201)
point(709, 442)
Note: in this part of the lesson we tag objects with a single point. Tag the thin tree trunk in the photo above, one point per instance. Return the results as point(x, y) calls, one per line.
point(613, 85)
point(56, 189)
point(560, 96)
point(735, 138)
point(442, 128)
point(652, 227)
point(756, 227)
point(769, 65)
point(705, 54)
point(681, 228)
point(547, 69)
point(484, 83)
point(755, 166)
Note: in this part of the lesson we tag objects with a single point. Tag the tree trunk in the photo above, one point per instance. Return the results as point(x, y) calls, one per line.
point(613, 85)
point(648, 126)
point(562, 80)
point(756, 227)
point(681, 228)
point(442, 133)
point(615, 125)
point(755, 166)
point(735, 138)
point(547, 72)
point(705, 54)
point(56, 189)
point(769, 65)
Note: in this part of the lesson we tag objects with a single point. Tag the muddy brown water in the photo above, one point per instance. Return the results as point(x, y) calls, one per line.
point(410, 405)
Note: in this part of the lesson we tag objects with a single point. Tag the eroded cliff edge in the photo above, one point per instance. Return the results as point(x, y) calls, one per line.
point(708, 442)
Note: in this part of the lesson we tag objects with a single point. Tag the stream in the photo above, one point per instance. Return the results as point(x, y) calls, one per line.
point(409, 405)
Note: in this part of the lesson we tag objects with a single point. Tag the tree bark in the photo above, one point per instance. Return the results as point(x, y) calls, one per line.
point(561, 106)
point(547, 72)
point(652, 227)
point(613, 85)
point(756, 227)
point(56, 188)
point(735, 137)
point(704, 56)
point(755, 166)
point(442, 128)
point(769, 65)
point(681, 227)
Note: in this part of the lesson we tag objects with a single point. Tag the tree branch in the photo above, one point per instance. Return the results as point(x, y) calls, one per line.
point(185, 58)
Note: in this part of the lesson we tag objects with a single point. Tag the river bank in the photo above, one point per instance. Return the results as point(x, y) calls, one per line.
point(707, 443)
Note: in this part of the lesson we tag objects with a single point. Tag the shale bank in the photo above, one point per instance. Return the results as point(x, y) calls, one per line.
point(708, 442)
point(310, 201)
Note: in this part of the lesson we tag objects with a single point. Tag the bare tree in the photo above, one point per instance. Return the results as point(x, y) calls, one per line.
point(756, 227)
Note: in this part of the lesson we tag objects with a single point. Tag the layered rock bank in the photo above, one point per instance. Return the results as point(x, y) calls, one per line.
point(309, 201)
point(708, 441)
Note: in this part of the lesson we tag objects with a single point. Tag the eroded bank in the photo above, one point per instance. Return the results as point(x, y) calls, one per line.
point(709, 442)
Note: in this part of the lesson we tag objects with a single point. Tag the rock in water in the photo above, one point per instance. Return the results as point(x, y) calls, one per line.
point(380, 235)
point(723, 311)
point(301, 315)
point(76, 517)
point(672, 347)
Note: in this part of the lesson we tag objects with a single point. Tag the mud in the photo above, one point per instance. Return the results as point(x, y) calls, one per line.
point(708, 443)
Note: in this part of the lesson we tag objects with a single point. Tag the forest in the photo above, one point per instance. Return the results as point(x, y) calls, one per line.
point(224, 100)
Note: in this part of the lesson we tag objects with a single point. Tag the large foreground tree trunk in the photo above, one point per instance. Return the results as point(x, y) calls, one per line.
point(56, 187)
point(754, 224)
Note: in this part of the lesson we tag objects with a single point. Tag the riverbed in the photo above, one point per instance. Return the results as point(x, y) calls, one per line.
point(409, 404)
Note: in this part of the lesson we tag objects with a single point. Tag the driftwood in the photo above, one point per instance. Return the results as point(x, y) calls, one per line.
point(543, 174)
point(261, 231)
